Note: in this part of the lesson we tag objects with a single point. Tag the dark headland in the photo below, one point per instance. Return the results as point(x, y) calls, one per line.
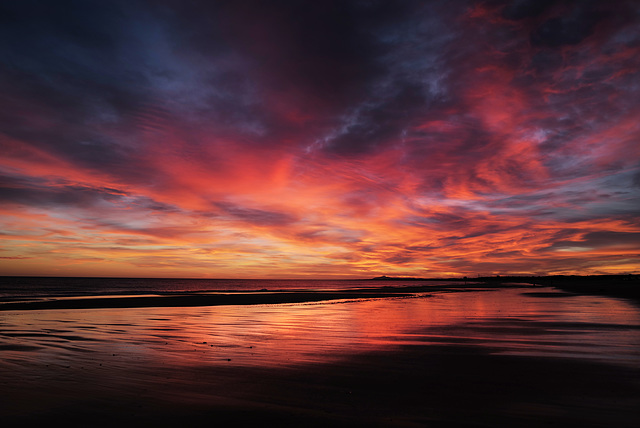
point(626, 286)
point(623, 286)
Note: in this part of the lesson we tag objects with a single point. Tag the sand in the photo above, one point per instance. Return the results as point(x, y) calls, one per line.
point(412, 386)
point(236, 297)
point(195, 299)
point(415, 386)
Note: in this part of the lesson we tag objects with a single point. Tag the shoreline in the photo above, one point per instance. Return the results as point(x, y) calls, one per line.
point(228, 297)
point(189, 300)
point(624, 286)
point(584, 286)
point(609, 286)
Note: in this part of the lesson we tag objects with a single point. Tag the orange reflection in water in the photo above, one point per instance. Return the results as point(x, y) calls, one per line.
point(504, 321)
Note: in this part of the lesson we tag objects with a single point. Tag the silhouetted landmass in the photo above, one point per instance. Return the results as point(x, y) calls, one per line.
point(627, 286)
point(213, 299)
point(401, 278)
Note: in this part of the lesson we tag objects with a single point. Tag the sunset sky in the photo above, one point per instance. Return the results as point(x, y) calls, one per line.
point(319, 139)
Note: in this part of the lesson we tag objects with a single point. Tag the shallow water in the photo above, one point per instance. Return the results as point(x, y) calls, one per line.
point(54, 356)
point(506, 321)
point(20, 288)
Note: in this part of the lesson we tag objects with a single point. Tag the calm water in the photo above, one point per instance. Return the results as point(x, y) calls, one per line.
point(16, 288)
point(504, 321)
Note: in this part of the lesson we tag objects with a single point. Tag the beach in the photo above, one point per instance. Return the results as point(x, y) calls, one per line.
point(451, 356)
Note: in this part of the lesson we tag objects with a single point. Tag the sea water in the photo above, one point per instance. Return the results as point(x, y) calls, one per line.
point(19, 288)
point(509, 320)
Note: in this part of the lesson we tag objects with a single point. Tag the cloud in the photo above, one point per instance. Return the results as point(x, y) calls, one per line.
point(599, 240)
point(576, 24)
point(254, 216)
point(349, 136)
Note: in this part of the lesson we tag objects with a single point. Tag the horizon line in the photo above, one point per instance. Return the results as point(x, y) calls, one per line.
point(381, 277)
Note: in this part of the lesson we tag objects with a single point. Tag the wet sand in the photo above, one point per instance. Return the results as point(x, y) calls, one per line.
point(412, 386)
point(236, 297)
point(469, 360)
point(195, 299)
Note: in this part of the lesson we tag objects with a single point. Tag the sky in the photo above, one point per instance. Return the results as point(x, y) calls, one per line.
point(319, 139)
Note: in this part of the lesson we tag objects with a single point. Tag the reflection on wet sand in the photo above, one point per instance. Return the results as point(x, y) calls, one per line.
point(497, 357)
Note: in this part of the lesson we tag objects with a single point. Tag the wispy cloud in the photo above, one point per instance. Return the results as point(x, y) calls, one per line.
point(319, 138)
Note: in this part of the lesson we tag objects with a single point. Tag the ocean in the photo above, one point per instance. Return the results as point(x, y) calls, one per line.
point(19, 288)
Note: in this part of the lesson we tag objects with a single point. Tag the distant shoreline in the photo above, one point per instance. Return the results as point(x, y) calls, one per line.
point(622, 286)
point(625, 286)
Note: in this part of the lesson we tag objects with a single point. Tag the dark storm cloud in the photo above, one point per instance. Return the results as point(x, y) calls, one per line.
point(68, 54)
point(572, 27)
point(40, 193)
point(343, 68)
point(64, 80)
point(379, 125)
point(409, 82)
point(364, 72)
point(67, 24)
point(520, 9)
point(314, 53)
point(96, 64)
point(254, 216)
point(325, 48)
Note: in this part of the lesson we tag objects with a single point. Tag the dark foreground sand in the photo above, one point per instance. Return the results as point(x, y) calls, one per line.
point(413, 386)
